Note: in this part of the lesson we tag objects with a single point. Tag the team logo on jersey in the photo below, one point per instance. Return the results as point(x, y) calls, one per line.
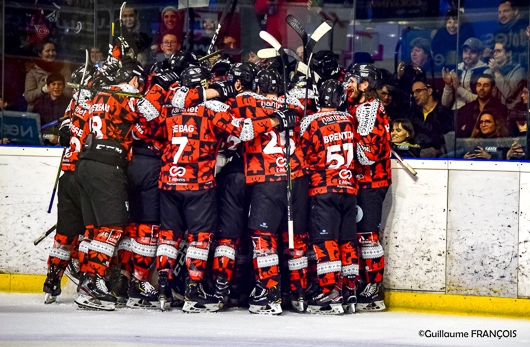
point(359, 213)
point(280, 161)
point(345, 174)
point(177, 171)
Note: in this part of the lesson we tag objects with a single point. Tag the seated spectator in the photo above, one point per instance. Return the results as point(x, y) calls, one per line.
point(467, 115)
point(488, 126)
point(463, 81)
point(51, 106)
point(445, 41)
point(385, 93)
point(430, 119)
point(98, 54)
point(402, 138)
point(510, 77)
point(47, 63)
point(169, 46)
point(419, 67)
point(516, 151)
point(172, 23)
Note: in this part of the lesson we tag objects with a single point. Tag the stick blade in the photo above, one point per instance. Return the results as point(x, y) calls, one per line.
point(267, 53)
point(322, 30)
point(297, 26)
point(271, 40)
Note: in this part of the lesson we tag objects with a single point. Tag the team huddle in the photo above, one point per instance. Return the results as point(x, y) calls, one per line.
point(210, 188)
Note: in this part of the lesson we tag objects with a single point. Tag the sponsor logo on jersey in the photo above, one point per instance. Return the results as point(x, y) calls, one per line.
point(177, 171)
point(183, 128)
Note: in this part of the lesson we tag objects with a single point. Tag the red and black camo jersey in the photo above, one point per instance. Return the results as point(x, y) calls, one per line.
point(265, 155)
point(193, 136)
point(112, 116)
point(300, 94)
point(328, 140)
point(79, 117)
point(373, 150)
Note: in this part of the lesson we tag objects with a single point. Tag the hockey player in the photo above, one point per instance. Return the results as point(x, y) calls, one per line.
point(101, 173)
point(374, 176)
point(188, 197)
point(265, 170)
point(70, 224)
point(328, 139)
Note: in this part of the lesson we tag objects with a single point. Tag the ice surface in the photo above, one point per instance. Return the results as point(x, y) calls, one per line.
point(26, 321)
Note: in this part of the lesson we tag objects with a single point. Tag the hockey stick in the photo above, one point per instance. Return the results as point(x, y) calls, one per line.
point(221, 20)
point(299, 29)
point(79, 86)
point(267, 53)
point(55, 122)
point(404, 163)
point(283, 56)
point(44, 235)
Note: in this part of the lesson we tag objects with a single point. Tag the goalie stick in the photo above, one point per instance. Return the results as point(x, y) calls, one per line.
point(283, 56)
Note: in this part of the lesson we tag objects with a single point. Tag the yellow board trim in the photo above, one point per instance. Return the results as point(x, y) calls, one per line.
point(394, 300)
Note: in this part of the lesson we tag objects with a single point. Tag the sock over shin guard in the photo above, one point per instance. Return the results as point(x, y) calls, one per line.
point(84, 245)
point(125, 250)
point(197, 254)
point(349, 256)
point(372, 257)
point(224, 259)
point(297, 262)
point(265, 258)
point(167, 250)
point(60, 253)
point(144, 250)
point(328, 264)
point(101, 249)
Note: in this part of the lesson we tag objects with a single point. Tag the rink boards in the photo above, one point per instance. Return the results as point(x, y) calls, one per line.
point(458, 230)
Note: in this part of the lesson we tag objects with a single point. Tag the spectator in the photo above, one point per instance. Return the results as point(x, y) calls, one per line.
point(511, 28)
point(47, 63)
point(97, 55)
point(453, 34)
point(402, 138)
point(172, 23)
point(516, 151)
point(169, 46)
point(385, 95)
point(487, 126)
point(430, 119)
point(463, 81)
point(510, 78)
point(208, 25)
point(417, 67)
point(468, 114)
point(51, 106)
point(131, 20)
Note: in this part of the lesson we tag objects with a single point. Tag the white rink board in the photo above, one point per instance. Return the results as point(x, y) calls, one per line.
point(418, 225)
point(414, 231)
point(482, 233)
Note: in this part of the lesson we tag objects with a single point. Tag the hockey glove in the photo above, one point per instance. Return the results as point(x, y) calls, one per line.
point(165, 79)
point(286, 117)
point(225, 89)
point(64, 133)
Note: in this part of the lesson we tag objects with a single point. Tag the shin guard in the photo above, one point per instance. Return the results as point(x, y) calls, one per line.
point(328, 265)
point(265, 259)
point(167, 250)
point(144, 250)
point(224, 259)
point(60, 254)
point(125, 251)
point(84, 245)
point(372, 257)
point(197, 254)
point(349, 256)
point(101, 249)
point(297, 262)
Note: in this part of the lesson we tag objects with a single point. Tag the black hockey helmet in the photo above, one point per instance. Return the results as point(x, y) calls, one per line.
point(77, 75)
point(331, 94)
point(269, 81)
point(181, 60)
point(325, 63)
point(246, 73)
point(221, 66)
point(365, 72)
point(299, 80)
point(129, 68)
point(194, 76)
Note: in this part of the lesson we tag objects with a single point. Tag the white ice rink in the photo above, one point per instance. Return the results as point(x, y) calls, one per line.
point(26, 321)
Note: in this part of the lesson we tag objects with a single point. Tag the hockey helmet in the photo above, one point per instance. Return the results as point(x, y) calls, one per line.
point(331, 94)
point(129, 68)
point(221, 66)
point(181, 60)
point(77, 75)
point(269, 81)
point(194, 76)
point(325, 62)
point(246, 73)
point(365, 72)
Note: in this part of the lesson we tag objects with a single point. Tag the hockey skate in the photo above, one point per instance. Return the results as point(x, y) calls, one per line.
point(164, 291)
point(142, 295)
point(265, 301)
point(72, 271)
point(52, 285)
point(326, 304)
point(222, 290)
point(349, 299)
point(298, 301)
point(120, 289)
point(196, 300)
point(93, 294)
point(372, 298)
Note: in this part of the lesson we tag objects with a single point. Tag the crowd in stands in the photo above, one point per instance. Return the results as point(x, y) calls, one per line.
point(452, 85)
